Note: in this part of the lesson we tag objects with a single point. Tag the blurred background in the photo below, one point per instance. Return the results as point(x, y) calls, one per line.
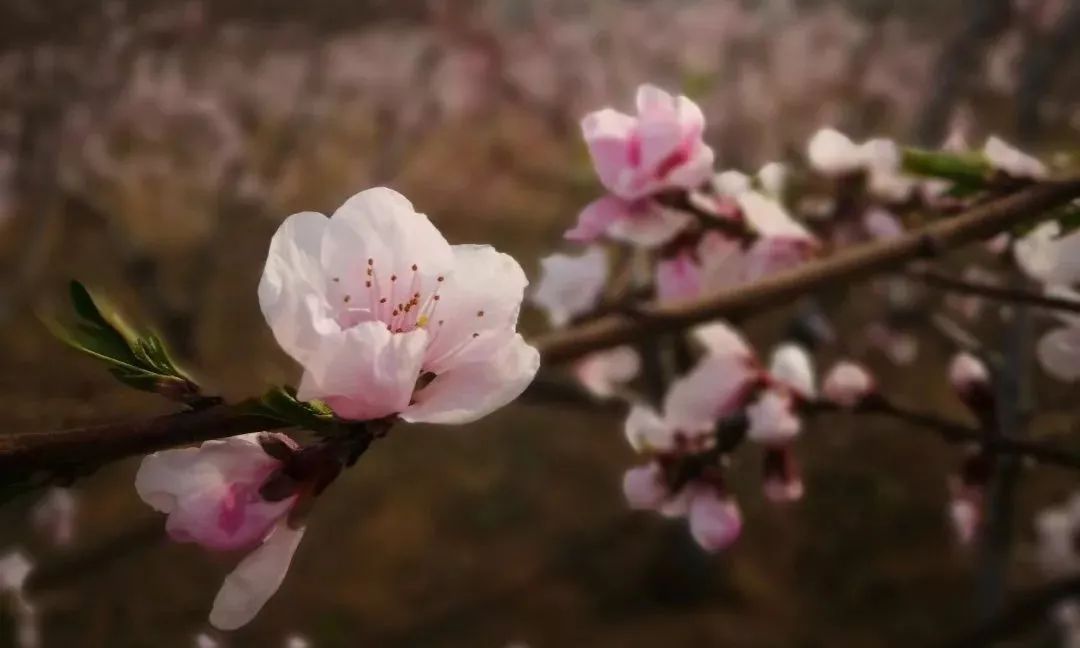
point(150, 148)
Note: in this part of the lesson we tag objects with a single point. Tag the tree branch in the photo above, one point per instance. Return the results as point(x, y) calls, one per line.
point(942, 281)
point(43, 456)
point(1026, 610)
point(850, 265)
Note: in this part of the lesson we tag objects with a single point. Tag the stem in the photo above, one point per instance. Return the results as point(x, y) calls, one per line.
point(945, 282)
point(856, 264)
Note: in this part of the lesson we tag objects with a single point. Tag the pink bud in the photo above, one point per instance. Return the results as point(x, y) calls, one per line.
point(970, 378)
point(715, 521)
point(847, 384)
point(782, 481)
point(644, 487)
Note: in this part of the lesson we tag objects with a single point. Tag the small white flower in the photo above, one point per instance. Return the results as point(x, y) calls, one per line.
point(792, 367)
point(772, 418)
point(1013, 162)
point(570, 285)
point(832, 153)
point(847, 384)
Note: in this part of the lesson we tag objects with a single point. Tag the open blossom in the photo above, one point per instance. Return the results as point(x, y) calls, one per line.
point(571, 285)
point(387, 318)
point(212, 497)
point(660, 148)
point(716, 387)
point(847, 384)
point(1013, 162)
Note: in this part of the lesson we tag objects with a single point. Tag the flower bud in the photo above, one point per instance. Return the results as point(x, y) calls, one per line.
point(970, 379)
point(847, 384)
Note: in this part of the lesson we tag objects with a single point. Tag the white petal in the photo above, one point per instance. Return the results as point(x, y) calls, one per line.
point(381, 225)
point(719, 338)
point(478, 383)
point(649, 225)
point(571, 285)
point(483, 293)
point(646, 431)
point(365, 372)
point(292, 285)
point(731, 183)
point(15, 567)
point(1012, 161)
point(847, 383)
point(603, 372)
point(769, 218)
point(772, 418)
point(1059, 353)
point(715, 520)
point(773, 177)
point(832, 153)
point(792, 366)
point(715, 388)
point(255, 579)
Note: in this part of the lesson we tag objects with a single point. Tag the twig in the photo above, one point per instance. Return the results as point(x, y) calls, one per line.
point(851, 265)
point(68, 452)
point(942, 281)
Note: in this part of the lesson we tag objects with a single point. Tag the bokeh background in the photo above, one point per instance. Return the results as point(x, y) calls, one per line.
point(150, 148)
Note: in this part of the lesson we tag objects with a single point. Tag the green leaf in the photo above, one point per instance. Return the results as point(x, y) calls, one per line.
point(138, 360)
point(969, 171)
point(280, 403)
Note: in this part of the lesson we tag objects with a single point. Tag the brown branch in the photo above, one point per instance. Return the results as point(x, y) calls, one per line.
point(948, 283)
point(850, 265)
point(41, 456)
point(69, 453)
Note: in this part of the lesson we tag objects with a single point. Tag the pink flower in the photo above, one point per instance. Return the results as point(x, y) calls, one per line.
point(660, 148)
point(571, 285)
point(783, 242)
point(716, 387)
point(211, 493)
point(715, 520)
point(714, 517)
point(212, 497)
point(604, 372)
point(374, 298)
point(678, 277)
point(847, 384)
point(643, 222)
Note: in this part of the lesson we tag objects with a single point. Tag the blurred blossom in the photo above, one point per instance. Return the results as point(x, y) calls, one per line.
point(374, 299)
point(792, 366)
point(644, 223)
point(847, 384)
point(54, 516)
point(971, 380)
point(901, 347)
point(203, 640)
point(1013, 162)
point(659, 148)
point(880, 224)
point(571, 285)
point(297, 641)
point(603, 373)
point(15, 567)
point(1048, 256)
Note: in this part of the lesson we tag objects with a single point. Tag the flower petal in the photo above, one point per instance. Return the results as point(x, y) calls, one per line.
point(483, 293)
point(1059, 353)
point(646, 431)
point(365, 372)
point(255, 579)
point(715, 521)
point(492, 374)
point(571, 285)
point(293, 283)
